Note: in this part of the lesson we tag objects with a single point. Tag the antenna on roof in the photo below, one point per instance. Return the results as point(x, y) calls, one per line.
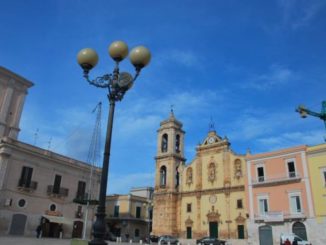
point(49, 143)
point(36, 136)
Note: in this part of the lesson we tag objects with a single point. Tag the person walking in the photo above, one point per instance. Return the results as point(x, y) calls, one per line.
point(287, 242)
point(38, 231)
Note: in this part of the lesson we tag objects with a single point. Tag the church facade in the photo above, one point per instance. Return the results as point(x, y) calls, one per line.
point(205, 197)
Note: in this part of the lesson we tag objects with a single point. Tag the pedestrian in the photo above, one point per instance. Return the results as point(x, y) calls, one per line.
point(38, 231)
point(295, 242)
point(287, 242)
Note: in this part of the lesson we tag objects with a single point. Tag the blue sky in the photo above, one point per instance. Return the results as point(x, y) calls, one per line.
point(246, 64)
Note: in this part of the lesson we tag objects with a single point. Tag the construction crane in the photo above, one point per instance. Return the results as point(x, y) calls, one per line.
point(92, 157)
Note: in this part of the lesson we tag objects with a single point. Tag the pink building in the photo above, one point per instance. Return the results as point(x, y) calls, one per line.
point(278, 195)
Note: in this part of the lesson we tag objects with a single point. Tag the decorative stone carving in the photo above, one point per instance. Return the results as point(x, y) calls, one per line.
point(189, 178)
point(240, 219)
point(188, 222)
point(213, 216)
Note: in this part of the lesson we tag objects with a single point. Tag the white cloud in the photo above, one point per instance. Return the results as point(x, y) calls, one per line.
point(297, 14)
point(276, 76)
point(121, 183)
point(292, 138)
point(187, 58)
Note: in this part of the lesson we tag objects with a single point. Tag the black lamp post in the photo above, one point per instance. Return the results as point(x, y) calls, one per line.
point(117, 83)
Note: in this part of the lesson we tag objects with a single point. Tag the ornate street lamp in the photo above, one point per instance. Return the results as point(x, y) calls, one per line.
point(117, 83)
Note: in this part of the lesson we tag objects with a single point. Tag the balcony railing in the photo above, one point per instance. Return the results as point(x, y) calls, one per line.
point(273, 179)
point(58, 192)
point(31, 186)
point(279, 216)
point(82, 196)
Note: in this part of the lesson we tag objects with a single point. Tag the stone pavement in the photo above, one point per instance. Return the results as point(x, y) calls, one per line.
point(14, 240)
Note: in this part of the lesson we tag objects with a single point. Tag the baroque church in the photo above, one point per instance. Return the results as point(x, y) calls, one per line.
point(205, 197)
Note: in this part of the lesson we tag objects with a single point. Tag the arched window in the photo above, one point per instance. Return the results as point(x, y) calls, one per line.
point(299, 229)
point(164, 143)
point(163, 176)
point(177, 143)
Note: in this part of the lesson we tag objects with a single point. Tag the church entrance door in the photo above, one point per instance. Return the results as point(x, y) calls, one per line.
point(213, 229)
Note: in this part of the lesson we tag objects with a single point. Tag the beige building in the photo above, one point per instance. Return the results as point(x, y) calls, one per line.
point(130, 216)
point(37, 186)
point(203, 198)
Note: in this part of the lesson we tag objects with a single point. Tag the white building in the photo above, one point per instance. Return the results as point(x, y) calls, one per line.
point(37, 186)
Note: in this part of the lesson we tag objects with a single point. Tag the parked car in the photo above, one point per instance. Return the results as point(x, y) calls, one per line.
point(167, 239)
point(153, 238)
point(210, 240)
point(293, 237)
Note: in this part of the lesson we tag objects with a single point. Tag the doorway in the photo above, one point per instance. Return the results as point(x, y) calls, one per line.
point(265, 235)
point(213, 229)
point(18, 223)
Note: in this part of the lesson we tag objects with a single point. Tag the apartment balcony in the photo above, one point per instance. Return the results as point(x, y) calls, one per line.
point(279, 216)
point(28, 187)
point(271, 180)
point(57, 192)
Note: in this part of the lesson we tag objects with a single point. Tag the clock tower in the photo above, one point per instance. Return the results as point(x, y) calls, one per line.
point(169, 162)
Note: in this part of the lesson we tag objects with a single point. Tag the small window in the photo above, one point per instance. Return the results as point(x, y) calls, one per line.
point(239, 203)
point(260, 173)
point(263, 206)
point(21, 203)
point(295, 204)
point(177, 143)
point(25, 177)
point(53, 207)
point(188, 207)
point(324, 176)
point(116, 211)
point(163, 176)
point(138, 212)
point(164, 143)
point(291, 169)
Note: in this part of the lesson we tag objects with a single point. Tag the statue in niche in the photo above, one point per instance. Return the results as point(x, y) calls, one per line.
point(237, 168)
point(211, 172)
point(189, 175)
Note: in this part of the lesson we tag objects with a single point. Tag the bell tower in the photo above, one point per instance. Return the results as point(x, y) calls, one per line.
point(169, 158)
point(13, 89)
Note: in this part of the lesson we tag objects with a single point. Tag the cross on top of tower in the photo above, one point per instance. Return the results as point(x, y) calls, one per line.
point(211, 125)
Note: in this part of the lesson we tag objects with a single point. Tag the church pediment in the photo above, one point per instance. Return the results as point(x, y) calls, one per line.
point(213, 216)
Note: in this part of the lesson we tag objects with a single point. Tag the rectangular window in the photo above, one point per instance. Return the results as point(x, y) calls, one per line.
point(291, 169)
point(324, 175)
point(295, 204)
point(263, 206)
point(116, 211)
point(188, 207)
point(260, 173)
point(57, 183)
point(26, 177)
point(81, 190)
point(138, 212)
point(239, 203)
